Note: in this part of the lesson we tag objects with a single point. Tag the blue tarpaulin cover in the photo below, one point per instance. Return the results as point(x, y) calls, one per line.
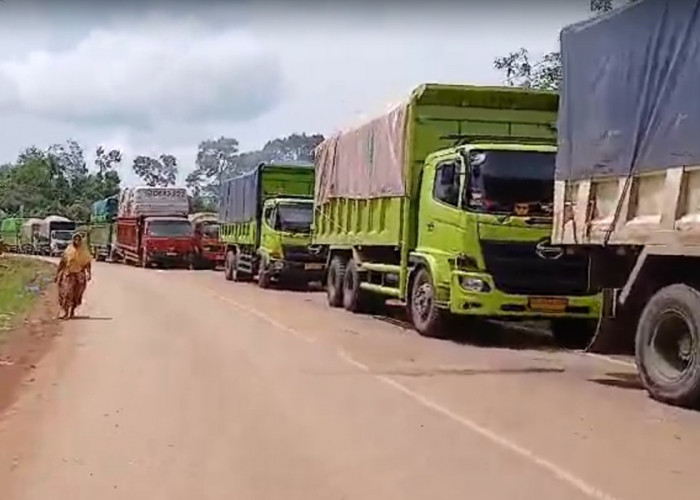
point(239, 197)
point(630, 98)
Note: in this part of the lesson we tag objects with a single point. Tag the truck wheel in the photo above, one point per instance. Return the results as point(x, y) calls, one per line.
point(229, 262)
point(427, 318)
point(667, 346)
point(573, 333)
point(334, 282)
point(354, 298)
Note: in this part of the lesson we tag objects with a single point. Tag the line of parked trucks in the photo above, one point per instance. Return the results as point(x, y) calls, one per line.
point(468, 203)
point(145, 226)
point(472, 203)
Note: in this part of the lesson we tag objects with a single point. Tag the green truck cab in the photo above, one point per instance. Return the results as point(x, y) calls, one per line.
point(10, 231)
point(454, 214)
point(266, 217)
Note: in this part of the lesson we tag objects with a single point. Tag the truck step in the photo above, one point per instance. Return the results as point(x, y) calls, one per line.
point(382, 290)
point(381, 268)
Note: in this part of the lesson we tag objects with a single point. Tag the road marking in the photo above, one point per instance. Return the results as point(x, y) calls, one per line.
point(260, 315)
point(559, 472)
point(610, 359)
point(502, 441)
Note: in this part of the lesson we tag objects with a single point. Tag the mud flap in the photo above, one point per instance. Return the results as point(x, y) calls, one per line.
point(616, 330)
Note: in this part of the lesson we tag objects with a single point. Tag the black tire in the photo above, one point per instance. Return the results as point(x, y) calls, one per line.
point(264, 279)
point(229, 262)
point(667, 346)
point(573, 333)
point(354, 298)
point(427, 318)
point(334, 282)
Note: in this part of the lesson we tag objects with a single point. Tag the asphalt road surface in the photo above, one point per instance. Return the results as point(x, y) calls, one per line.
point(179, 385)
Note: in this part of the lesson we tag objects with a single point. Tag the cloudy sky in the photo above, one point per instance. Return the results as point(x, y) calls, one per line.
point(153, 77)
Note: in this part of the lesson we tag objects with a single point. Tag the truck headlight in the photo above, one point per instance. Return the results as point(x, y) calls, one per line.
point(473, 284)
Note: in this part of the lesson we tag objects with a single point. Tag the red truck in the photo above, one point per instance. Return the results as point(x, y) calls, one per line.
point(208, 250)
point(153, 228)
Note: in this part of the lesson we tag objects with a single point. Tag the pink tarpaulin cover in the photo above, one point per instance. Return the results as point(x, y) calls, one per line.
point(364, 162)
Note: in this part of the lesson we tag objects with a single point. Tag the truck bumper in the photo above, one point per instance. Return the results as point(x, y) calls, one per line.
point(301, 271)
point(168, 258)
point(475, 294)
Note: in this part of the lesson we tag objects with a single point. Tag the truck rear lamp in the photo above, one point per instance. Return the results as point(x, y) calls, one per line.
point(472, 284)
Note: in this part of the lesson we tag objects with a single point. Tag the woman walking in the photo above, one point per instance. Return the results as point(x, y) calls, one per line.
point(74, 271)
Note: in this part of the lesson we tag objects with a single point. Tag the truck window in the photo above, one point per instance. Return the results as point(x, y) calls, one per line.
point(269, 216)
point(169, 229)
point(446, 186)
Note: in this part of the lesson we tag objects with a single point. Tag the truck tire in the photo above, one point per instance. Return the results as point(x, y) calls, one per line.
point(427, 318)
point(667, 346)
point(354, 298)
point(228, 265)
point(334, 282)
point(573, 333)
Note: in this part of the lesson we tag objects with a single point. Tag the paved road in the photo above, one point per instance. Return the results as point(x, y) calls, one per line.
point(179, 386)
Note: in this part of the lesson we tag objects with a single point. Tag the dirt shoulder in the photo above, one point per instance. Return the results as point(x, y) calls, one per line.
point(27, 320)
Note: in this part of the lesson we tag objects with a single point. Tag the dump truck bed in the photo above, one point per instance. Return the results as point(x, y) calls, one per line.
point(628, 165)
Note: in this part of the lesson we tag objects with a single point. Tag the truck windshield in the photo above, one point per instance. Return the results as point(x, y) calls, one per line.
point(62, 235)
point(169, 228)
point(295, 217)
point(210, 230)
point(511, 182)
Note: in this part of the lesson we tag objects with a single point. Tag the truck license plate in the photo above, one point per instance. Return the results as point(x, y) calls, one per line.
point(548, 304)
point(314, 266)
point(171, 254)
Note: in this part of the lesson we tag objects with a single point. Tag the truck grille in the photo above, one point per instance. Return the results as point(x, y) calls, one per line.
point(517, 268)
point(300, 253)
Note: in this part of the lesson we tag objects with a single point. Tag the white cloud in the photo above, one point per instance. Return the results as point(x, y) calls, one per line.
point(168, 72)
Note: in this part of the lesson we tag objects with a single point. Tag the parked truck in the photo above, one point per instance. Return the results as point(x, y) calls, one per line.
point(266, 217)
point(445, 203)
point(28, 236)
point(54, 234)
point(152, 228)
point(101, 230)
point(627, 190)
point(10, 230)
point(208, 249)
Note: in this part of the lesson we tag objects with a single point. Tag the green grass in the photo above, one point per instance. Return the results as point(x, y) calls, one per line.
point(21, 280)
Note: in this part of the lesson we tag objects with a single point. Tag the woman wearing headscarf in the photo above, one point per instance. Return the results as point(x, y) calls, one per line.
point(74, 271)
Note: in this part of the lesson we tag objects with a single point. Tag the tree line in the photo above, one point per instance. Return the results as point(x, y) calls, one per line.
point(58, 180)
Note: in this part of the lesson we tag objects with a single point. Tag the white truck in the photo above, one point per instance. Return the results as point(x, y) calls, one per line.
point(627, 188)
point(54, 235)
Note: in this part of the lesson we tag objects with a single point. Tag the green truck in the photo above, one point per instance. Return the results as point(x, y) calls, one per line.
point(265, 225)
point(101, 230)
point(445, 202)
point(10, 231)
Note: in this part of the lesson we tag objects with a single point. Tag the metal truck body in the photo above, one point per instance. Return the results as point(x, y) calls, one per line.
point(54, 235)
point(627, 190)
point(10, 230)
point(445, 203)
point(152, 227)
point(266, 217)
point(28, 235)
point(208, 249)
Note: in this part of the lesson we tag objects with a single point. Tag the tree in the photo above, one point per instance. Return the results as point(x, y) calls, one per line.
point(161, 171)
point(296, 148)
point(545, 74)
point(106, 161)
point(70, 159)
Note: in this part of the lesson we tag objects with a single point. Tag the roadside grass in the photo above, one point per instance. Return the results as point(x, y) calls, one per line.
point(21, 282)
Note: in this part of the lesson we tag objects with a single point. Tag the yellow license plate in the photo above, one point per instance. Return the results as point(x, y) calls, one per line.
point(312, 267)
point(548, 304)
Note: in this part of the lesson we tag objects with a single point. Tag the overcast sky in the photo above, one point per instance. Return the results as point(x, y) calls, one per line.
point(153, 77)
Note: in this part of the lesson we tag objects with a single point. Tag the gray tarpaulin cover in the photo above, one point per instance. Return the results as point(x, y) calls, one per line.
point(239, 198)
point(365, 162)
point(631, 91)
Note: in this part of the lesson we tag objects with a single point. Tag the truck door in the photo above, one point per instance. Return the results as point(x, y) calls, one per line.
point(441, 222)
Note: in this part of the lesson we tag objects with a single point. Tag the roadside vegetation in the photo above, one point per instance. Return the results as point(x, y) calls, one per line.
point(21, 282)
